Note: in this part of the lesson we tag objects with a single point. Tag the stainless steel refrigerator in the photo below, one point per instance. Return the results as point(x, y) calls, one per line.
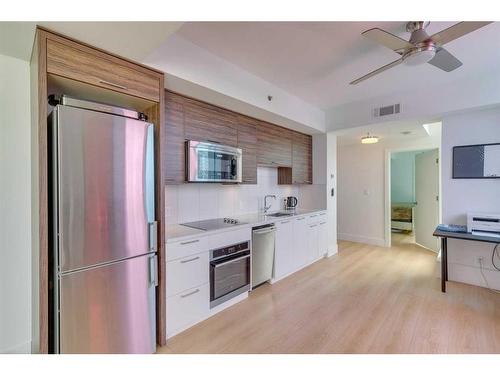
point(104, 242)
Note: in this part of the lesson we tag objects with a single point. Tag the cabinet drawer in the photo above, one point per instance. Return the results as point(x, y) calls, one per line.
point(187, 308)
point(86, 66)
point(230, 238)
point(186, 248)
point(187, 273)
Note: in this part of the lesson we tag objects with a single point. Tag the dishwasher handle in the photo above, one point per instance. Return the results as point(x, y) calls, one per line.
point(264, 231)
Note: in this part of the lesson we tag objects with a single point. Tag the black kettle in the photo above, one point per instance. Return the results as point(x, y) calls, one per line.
point(291, 202)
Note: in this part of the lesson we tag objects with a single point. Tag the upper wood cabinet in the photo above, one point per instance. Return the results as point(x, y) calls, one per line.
point(76, 61)
point(301, 158)
point(175, 154)
point(274, 145)
point(247, 141)
point(205, 122)
point(261, 143)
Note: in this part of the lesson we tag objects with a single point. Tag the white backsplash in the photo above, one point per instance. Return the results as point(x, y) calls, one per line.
point(192, 202)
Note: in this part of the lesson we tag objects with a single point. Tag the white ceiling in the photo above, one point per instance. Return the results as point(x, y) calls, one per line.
point(315, 61)
point(133, 40)
point(390, 132)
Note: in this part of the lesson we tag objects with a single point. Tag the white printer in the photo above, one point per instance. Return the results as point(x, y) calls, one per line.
point(483, 224)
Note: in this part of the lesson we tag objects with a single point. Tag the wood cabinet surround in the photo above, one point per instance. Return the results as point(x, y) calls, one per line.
point(262, 143)
point(119, 79)
point(84, 64)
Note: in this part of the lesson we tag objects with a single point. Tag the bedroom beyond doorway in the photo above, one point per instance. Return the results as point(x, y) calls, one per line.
point(414, 196)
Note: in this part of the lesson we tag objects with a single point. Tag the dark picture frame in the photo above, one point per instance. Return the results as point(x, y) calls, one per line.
point(468, 161)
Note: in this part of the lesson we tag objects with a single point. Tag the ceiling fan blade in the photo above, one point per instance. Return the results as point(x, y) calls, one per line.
point(456, 31)
point(387, 39)
point(445, 61)
point(377, 71)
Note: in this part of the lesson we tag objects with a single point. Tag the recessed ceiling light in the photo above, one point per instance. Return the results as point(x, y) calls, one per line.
point(368, 139)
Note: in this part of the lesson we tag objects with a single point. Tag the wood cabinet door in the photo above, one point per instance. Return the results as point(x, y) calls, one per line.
point(301, 158)
point(72, 60)
point(247, 141)
point(274, 145)
point(207, 123)
point(175, 160)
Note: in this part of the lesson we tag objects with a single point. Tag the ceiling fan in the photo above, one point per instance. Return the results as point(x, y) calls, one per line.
point(421, 48)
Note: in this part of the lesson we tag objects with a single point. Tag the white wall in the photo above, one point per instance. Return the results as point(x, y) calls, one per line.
point(361, 188)
point(462, 196)
point(15, 207)
point(192, 202)
point(331, 186)
point(187, 61)
point(473, 92)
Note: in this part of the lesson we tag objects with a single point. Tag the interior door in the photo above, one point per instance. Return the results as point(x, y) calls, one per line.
point(109, 309)
point(427, 197)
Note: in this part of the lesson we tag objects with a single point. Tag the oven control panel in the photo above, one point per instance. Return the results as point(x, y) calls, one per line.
point(229, 250)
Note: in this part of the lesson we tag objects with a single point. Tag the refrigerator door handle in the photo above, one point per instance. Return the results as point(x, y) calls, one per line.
point(153, 271)
point(153, 236)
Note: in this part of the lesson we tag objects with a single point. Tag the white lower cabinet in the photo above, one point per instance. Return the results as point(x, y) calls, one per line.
point(300, 242)
point(187, 308)
point(313, 243)
point(186, 273)
point(323, 238)
point(284, 253)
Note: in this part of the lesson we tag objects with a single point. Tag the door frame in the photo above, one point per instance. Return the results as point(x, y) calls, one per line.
point(387, 186)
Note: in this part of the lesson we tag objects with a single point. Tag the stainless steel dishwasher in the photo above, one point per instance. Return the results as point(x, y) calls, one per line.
point(262, 254)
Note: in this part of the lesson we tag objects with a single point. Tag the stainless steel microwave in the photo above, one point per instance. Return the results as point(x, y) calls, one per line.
point(212, 162)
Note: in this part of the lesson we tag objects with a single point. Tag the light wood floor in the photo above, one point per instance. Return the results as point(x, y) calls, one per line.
point(366, 299)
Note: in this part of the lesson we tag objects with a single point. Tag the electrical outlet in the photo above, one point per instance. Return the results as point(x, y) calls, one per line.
point(478, 260)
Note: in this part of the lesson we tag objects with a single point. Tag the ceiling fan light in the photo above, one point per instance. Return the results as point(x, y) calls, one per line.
point(420, 55)
point(369, 139)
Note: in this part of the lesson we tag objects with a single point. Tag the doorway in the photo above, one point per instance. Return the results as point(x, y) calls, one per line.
point(413, 198)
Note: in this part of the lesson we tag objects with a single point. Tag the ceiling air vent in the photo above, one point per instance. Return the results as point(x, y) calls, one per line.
point(387, 110)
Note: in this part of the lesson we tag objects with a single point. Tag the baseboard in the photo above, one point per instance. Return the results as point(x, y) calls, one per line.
point(23, 348)
point(472, 275)
point(333, 251)
point(362, 239)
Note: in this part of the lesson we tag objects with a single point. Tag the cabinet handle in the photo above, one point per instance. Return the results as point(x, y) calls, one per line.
point(284, 222)
point(312, 226)
point(301, 218)
point(189, 260)
point(248, 180)
point(190, 293)
point(323, 223)
point(188, 242)
point(323, 214)
point(113, 84)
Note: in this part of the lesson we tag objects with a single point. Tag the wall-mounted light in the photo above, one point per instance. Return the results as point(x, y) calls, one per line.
point(368, 139)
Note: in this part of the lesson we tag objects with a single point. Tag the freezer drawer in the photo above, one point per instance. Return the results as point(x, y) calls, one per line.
point(110, 308)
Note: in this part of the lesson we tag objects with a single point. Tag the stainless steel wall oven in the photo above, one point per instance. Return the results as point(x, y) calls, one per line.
point(229, 272)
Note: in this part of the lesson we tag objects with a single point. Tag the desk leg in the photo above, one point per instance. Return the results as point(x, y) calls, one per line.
point(444, 263)
point(446, 259)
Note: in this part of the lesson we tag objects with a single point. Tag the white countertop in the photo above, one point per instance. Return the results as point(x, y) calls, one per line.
point(178, 232)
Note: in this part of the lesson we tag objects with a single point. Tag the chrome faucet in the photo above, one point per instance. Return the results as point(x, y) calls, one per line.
point(266, 207)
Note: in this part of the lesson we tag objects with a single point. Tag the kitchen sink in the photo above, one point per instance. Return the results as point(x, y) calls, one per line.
point(280, 214)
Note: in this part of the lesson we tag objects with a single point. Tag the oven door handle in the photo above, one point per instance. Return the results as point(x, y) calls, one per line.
point(230, 261)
